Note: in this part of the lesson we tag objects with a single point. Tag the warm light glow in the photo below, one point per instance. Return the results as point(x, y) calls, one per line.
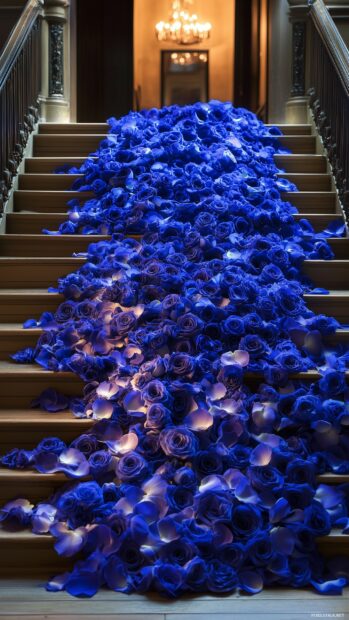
point(182, 27)
point(188, 58)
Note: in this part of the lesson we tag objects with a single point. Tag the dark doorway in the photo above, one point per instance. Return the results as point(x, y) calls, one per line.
point(251, 53)
point(104, 59)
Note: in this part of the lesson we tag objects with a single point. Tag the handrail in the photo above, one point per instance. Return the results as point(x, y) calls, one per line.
point(20, 84)
point(332, 40)
point(18, 37)
point(329, 94)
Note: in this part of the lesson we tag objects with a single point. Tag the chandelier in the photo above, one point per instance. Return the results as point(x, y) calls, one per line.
point(183, 27)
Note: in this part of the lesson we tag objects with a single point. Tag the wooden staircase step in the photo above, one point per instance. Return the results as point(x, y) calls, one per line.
point(66, 245)
point(47, 201)
point(35, 223)
point(308, 182)
point(333, 273)
point(33, 379)
point(317, 202)
point(304, 181)
point(289, 163)
point(17, 305)
point(98, 128)
point(37, 245)
point(65, 145)
point(298, 144)
point(48, 181)
point(14, 337)
point(34, 486)
point(77, 145)
point(21, 383)
point(292, 129)
point(86, 128)
point(30, 484)
point(26, 554)
point(335, 304)
point(35, 271)
point(48, 165)
point(319, 221)
point(35, 425)
point(45, 271)
point(296, 163)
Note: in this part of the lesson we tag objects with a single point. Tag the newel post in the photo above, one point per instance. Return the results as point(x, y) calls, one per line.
point(55, 96)
point(297, 104)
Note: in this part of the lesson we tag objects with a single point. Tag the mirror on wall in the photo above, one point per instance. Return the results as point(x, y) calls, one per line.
point(184, 76)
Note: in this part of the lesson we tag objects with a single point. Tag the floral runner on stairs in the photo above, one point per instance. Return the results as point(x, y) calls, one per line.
point(191, 333)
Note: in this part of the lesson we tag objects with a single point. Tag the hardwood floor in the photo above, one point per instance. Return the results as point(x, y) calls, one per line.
point(28, 599)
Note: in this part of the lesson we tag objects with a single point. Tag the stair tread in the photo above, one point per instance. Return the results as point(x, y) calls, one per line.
point(40, 416)
point(11, 368)
point(27, 536)
point(31, 474)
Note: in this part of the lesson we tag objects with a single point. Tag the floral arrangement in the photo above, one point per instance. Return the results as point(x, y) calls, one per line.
point(190, 330)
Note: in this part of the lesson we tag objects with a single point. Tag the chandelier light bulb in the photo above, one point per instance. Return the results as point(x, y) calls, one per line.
point(183, 27)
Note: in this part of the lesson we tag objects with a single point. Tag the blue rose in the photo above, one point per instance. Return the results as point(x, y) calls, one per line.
point(178, 497)
point(178, 442)
point(212, 506)
point(100, 463)
point(51, 444)
point(169, 578)
point(132, 467)
point(332, 383)
point(221, 577)
point(246, 520)
point(88, 494)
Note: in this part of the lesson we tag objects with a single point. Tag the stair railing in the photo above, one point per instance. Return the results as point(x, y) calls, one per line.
point(20, 82)
point(329, 93)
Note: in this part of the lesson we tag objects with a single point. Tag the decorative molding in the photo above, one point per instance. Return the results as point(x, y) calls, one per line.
point(298, 58)
point(324, 128)
point(56, 59)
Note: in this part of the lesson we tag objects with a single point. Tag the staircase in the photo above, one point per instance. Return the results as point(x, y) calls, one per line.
point(31, 261)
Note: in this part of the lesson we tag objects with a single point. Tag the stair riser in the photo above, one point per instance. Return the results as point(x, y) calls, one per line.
point(33, 558)
point(43, 182)
point(301, 163)
point(28, 438)
point(310, 182)
point(83, 145)
point(16, 309)
point(67, 245)
point(47, 246)
point(39, 275)
point(18, 392)
point(34, 224)
point(56, 201)
point(46, 182)
point(98, 128)
point(337, 307)
point(26, 273)
point(312, 202)
point(331, 275)
point(12, 342)
point(288, 163)
point(47, 201)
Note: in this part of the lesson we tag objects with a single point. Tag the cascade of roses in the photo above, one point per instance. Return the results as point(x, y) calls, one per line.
point(188, 327)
